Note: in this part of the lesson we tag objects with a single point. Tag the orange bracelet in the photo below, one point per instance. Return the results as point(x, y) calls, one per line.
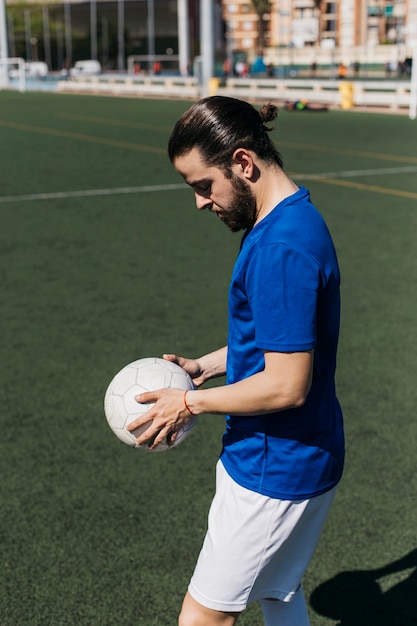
point(185, 403)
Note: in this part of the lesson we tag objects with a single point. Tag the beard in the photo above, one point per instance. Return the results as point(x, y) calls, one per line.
point(242, 211)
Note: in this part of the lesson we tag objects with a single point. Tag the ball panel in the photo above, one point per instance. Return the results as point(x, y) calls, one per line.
point(121, 408)
point(115, 411)
point(125, 436)
point(129, 402)
point(123, 380)
point(181, 380)
point(153, 377)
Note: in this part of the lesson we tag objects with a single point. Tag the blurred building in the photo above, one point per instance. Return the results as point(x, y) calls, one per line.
point(341, 23)
point(65, 29)
point(61, 32)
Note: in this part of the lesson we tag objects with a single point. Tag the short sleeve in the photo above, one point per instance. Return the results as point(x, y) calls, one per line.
point(282, 287)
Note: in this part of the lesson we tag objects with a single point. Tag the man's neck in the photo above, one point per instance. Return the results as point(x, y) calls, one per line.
point(273, 187)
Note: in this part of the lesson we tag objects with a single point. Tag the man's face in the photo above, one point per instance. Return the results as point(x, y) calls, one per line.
point(231, 199)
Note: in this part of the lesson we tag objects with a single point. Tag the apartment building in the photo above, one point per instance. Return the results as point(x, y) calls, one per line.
point(337, 23)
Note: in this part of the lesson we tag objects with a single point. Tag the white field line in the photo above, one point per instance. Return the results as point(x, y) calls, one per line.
point(83, 193)
point(353, 173)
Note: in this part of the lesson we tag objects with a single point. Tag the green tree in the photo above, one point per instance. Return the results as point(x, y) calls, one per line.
point(263, 9)
point(17, 14)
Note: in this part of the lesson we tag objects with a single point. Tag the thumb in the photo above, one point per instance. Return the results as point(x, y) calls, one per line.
point(189, 365)
point(186, 364)
point(173, 358)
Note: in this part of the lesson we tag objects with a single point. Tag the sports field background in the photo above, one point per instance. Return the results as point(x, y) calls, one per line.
point(104, 259)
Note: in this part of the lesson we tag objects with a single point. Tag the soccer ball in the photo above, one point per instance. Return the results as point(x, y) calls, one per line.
point(121, 408)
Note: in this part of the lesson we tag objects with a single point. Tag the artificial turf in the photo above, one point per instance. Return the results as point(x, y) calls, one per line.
point(94, 533)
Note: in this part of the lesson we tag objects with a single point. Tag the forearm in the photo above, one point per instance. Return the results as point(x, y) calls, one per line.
point(248, 397)
point(283, 384)
point(213, 365)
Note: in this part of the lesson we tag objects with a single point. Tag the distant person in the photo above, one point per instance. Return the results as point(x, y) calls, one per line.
point(157, 67)
point(341, 71)
point(270, 70)
point(401, 69)
point(227, 68)
point(304, 105)
point(283, 450)
point(239, 68)
point(242, 69)
point(259, 66)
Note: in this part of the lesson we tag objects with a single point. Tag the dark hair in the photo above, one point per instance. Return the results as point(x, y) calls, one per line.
point(218, 125)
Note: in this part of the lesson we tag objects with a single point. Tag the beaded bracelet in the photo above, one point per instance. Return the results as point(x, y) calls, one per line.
point(185, 403)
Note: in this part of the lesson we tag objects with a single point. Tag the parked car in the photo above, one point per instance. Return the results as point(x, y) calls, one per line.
point(36, 69)
point(85, 68)
point(33, 69)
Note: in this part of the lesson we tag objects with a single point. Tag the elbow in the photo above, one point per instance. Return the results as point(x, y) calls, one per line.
point(299, 397)
point(299, 401)
point(300, 392)
point(288, 401)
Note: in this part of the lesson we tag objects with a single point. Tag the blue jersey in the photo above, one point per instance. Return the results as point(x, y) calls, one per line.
point(285, 296)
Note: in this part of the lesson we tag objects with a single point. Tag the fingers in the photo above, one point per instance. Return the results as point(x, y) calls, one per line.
point(156, 425)
point(179, 360)
point(148, 397)
point(145, 440)
point(191, 366)
point(147, 431)
point(139, 424)
point(163, 436)
point(154, 435)
point(170, 357)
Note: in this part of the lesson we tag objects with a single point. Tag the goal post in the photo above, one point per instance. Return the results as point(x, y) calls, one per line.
point(413, 86)
point(12, 68)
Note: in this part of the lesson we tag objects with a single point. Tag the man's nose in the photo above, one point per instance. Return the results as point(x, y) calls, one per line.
point(202, 202)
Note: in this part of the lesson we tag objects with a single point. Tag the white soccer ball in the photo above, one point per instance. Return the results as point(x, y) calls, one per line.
point(121, 408)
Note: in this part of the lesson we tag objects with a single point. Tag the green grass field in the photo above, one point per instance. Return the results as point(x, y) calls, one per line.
point(104, 262)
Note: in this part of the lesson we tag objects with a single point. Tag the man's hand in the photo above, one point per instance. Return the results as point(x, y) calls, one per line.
point(165, 418)
point(204, 368)
point(191, 366)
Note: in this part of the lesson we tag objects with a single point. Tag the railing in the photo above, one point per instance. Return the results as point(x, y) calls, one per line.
point(334, 93)
point(142, 85)
point(389, 94)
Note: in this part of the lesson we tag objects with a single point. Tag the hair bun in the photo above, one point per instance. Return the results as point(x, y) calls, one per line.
point(268, 113)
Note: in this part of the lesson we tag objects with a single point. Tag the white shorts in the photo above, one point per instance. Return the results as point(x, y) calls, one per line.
point(255, 547)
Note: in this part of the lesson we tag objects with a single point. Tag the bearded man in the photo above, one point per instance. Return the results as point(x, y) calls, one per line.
point(283, 448)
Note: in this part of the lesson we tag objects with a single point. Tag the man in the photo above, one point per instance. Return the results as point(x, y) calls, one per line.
point(304, 105)
point(282, 451)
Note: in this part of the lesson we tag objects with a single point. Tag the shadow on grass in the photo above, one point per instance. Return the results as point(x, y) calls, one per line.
point(357, 598)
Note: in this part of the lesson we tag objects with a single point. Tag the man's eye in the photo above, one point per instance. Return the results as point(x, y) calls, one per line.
point(204, 187)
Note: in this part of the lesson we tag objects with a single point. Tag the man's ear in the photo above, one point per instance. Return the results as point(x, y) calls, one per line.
point(243, 162)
